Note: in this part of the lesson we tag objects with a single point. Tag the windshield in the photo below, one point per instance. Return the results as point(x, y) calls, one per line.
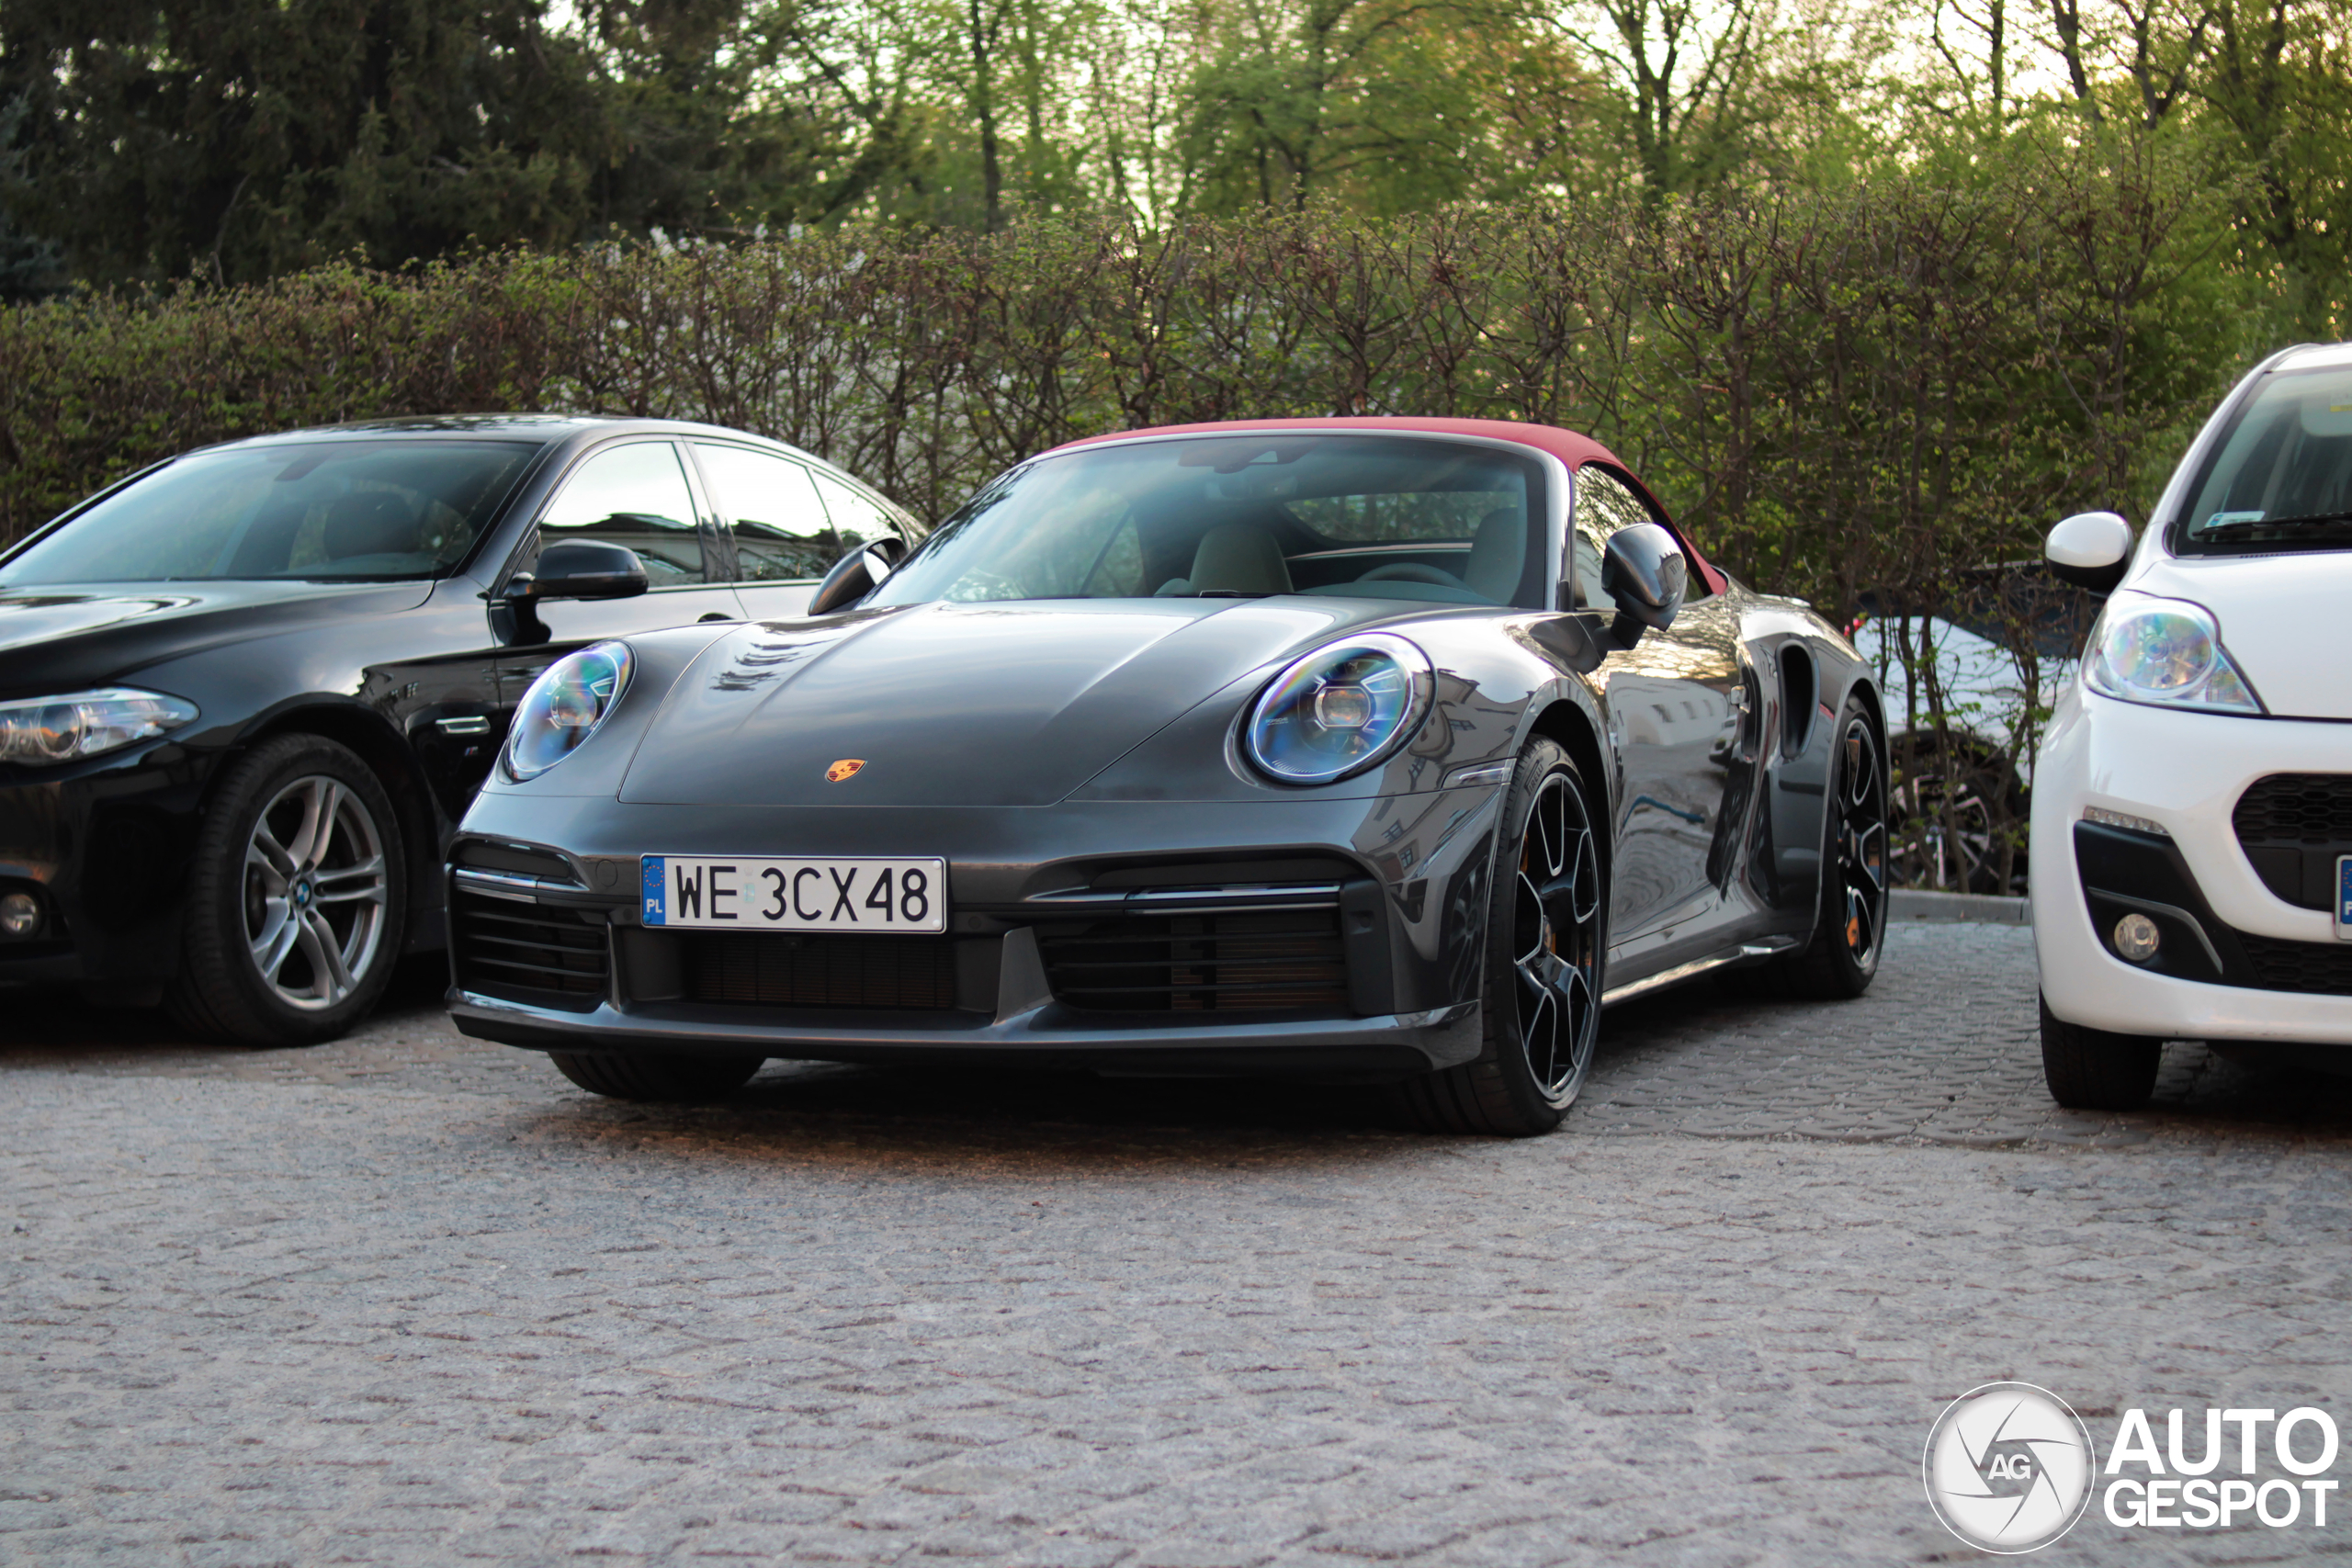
point(323, 509)
point(2280, 478)
point(1245, 516)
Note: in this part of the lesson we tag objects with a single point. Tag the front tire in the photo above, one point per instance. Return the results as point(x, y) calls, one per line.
point(2091, 1069)
point(298, 898)
point(661, 1080)
point(1540, 990)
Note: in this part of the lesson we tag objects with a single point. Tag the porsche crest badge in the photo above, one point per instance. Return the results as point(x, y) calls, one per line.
point(843, 769)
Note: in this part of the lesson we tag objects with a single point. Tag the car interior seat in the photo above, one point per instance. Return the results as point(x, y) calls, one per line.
point(369, 523)
point(1490, 575)
point(1234, 557)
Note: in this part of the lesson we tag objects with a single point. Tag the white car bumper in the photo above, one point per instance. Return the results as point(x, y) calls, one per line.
point(2185, 771)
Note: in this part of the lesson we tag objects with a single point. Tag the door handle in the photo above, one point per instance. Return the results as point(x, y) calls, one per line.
point(468, 724)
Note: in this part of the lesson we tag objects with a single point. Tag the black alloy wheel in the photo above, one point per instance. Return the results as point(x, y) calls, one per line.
point(1541, 994)
point(676, 1081)
point(298, 898)
point(1850, 934)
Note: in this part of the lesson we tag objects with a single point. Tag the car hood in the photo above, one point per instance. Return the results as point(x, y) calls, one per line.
point(970, 704)
point(59, 640)
point(2277, 617)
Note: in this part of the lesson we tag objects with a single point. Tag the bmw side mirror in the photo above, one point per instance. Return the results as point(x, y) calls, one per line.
point(1644, 573)
point(2090, 551)
point(856, 574)
point(580, 569)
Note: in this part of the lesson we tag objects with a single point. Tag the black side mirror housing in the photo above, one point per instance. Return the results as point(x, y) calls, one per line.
point(580, 569)
point(1645, 574)
point(2090, 549)
point(856, 574)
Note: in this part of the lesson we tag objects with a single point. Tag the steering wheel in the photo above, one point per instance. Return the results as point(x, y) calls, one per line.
point(1410, 572)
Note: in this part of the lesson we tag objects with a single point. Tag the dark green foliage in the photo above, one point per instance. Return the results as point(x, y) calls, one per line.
point(234, 140)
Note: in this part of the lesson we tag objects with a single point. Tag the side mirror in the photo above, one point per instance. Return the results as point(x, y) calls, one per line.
point(580, 569)
point(1645, 574)
point(2090, 551)
point(856, 574)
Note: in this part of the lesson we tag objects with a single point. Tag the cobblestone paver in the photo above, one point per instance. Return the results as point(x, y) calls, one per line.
point(409, 1300)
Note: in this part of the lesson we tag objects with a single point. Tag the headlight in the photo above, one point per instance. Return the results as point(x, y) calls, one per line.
point(1339, 709)
point(564, 706)
point(2167, 653)
point(45, 731)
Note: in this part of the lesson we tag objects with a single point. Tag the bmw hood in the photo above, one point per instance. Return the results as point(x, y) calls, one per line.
point(1013, 704)
point(55, 639)
point(2277, 615)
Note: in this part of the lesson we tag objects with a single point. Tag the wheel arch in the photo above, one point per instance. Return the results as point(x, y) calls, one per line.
point(1565, 721)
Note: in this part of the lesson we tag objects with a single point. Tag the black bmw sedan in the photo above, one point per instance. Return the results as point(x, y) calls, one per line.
point(246, 693)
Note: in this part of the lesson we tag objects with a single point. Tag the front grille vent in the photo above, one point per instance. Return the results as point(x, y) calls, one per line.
point(2292, 826)
point(1271, 960)
point(2316, 968)
point(906, 973)
point(2296, 809)
point(528, 953)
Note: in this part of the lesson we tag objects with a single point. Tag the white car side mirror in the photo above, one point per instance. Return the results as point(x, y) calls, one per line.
point(2090, 551)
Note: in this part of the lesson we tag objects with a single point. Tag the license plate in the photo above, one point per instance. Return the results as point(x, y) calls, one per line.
point(770, 894)
point(2343, 897)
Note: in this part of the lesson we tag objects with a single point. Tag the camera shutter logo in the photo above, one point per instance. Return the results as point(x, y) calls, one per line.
point(2008, 1467)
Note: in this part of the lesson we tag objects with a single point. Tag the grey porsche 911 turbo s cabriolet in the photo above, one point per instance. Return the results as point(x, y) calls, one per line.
point(1357, 749)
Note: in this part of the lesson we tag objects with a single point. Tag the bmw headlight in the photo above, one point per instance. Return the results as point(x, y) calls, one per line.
point(564, 706)
point(1339, 709)
point(45, 731)
point(2166, 652)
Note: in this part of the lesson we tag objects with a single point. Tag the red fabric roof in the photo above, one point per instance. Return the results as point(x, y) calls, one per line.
point(1571, 448)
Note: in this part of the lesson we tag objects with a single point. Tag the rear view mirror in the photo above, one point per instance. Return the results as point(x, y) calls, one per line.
point(2090, 551)
point(580, 569)
point(856, 574)
point(1645, 574)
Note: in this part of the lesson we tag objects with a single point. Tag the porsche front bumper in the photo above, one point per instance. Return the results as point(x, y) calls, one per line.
point(1395, 887)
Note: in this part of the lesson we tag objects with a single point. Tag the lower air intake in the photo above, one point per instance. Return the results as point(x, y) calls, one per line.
point(1271, 960)
point(2318, 968)
point(915, 974)
point(528, 953)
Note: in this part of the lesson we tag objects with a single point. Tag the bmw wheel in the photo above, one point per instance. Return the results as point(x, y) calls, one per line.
point(1541, 990)
point(298, 898)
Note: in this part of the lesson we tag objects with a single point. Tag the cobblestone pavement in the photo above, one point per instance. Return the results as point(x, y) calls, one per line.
point(407, 1298)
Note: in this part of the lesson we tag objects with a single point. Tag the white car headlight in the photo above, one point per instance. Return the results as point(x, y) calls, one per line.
point(2166, 652)
point(564, 706)
point(1339, 709)
point(45, 731)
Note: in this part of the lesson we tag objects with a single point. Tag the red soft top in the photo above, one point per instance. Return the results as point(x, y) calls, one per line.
point(1571, 448)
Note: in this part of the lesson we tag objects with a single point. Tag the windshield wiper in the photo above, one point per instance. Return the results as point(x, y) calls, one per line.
point(2245, 530)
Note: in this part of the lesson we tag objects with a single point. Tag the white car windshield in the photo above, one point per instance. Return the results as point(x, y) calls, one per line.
point(2280, 477)
point(357, 509)
point(1245, 516)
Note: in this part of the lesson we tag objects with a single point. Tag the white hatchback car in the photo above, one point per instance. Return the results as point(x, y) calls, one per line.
point(2192, 813)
